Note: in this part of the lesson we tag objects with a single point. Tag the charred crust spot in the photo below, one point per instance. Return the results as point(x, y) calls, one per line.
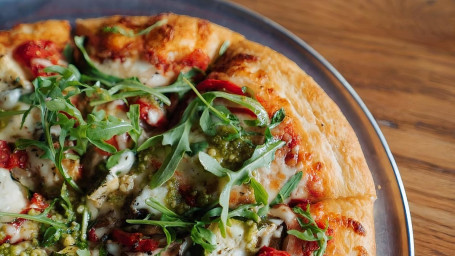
point(356, 226)
point(361, 251)
point(227, 62)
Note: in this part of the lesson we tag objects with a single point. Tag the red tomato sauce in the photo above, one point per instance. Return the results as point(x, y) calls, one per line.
point(30, 51)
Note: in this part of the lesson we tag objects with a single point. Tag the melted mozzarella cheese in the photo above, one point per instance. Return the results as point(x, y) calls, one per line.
point(146, 72)
point(12, 130)
point(11, 74)
point(26, 231)
point(241, 239)
point(9, 98)
point(113, 248)
point(124, 164)
point(14, 196)
point(158, 194)
point(45, 168)
point(275, 176)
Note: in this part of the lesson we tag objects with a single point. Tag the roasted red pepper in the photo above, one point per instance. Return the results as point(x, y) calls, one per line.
point(37, 54)
point(196, 58)
point(134, 241)
point(219, 85)
point(150, 113)
point(269, 251)
point(9, 159)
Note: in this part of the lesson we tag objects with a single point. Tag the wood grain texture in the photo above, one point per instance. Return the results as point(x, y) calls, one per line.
point(399, 55)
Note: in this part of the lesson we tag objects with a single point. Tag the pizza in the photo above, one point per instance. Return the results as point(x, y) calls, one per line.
point(171, 135)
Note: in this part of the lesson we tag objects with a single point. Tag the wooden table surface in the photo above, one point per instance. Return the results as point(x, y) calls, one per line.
point(400, 58)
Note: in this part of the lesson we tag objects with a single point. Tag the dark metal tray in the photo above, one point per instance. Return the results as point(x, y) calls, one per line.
point(391, 212)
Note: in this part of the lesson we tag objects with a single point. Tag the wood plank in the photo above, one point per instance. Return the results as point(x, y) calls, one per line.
point(399, 55)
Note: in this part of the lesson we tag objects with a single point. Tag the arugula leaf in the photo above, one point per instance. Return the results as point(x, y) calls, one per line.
point(277, 118)
point(180, 86)
point(178, 138)
point(260, 194)
point(66, 204)
point(4, 113)
point(40, 218)
point(170, 163)
point(197, 147)
point(84, 224)
point(307, 235)
point(134, 116)
point(210, 164)
point(224, 47)
point(287, 188)
point(129, 33)
point(311, 230)
point(204, 237)
point(161, 208)
point(51, 236)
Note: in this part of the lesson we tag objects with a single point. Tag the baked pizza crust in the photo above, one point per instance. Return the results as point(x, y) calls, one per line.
point(320, 141)
point(58, 31)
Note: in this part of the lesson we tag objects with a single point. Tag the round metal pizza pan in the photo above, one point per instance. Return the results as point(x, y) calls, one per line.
point(392, 218)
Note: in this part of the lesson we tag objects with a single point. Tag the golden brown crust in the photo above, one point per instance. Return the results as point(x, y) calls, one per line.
point(181, 39)
point(329, 152)
point(57, 31)
point(351, 223)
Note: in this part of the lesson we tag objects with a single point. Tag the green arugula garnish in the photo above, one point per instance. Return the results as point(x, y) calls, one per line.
point(129, 33)
point(193, 222)
point(40, 218)
point(311, 230)
point(53, 229)
point(262, 156)
point(224, 47)
point(178, 137)
point(287, 189)
point(119, 88)
point(4, 113)
point(52, 97)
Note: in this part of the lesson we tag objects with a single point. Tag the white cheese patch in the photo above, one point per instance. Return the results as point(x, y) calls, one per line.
point(146, 72)
point(13, 195)
point(158, 194)
point(45, 168)
point(41, 62)
point(241, 239)
point(113, 248)
point(278, 171)
point(11, 74)
point(12, 131)
point(124, 164)
point(9, 98)
point(154, 116)
point(27, 231)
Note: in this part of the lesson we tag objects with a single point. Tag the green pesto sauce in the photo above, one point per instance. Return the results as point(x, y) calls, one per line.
point(176, 202)
point(231, 154)
point(22, 249)
point(174, 199)
point(150, 160)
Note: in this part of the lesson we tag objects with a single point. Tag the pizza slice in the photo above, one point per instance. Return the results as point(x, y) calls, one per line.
point(25, 51)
